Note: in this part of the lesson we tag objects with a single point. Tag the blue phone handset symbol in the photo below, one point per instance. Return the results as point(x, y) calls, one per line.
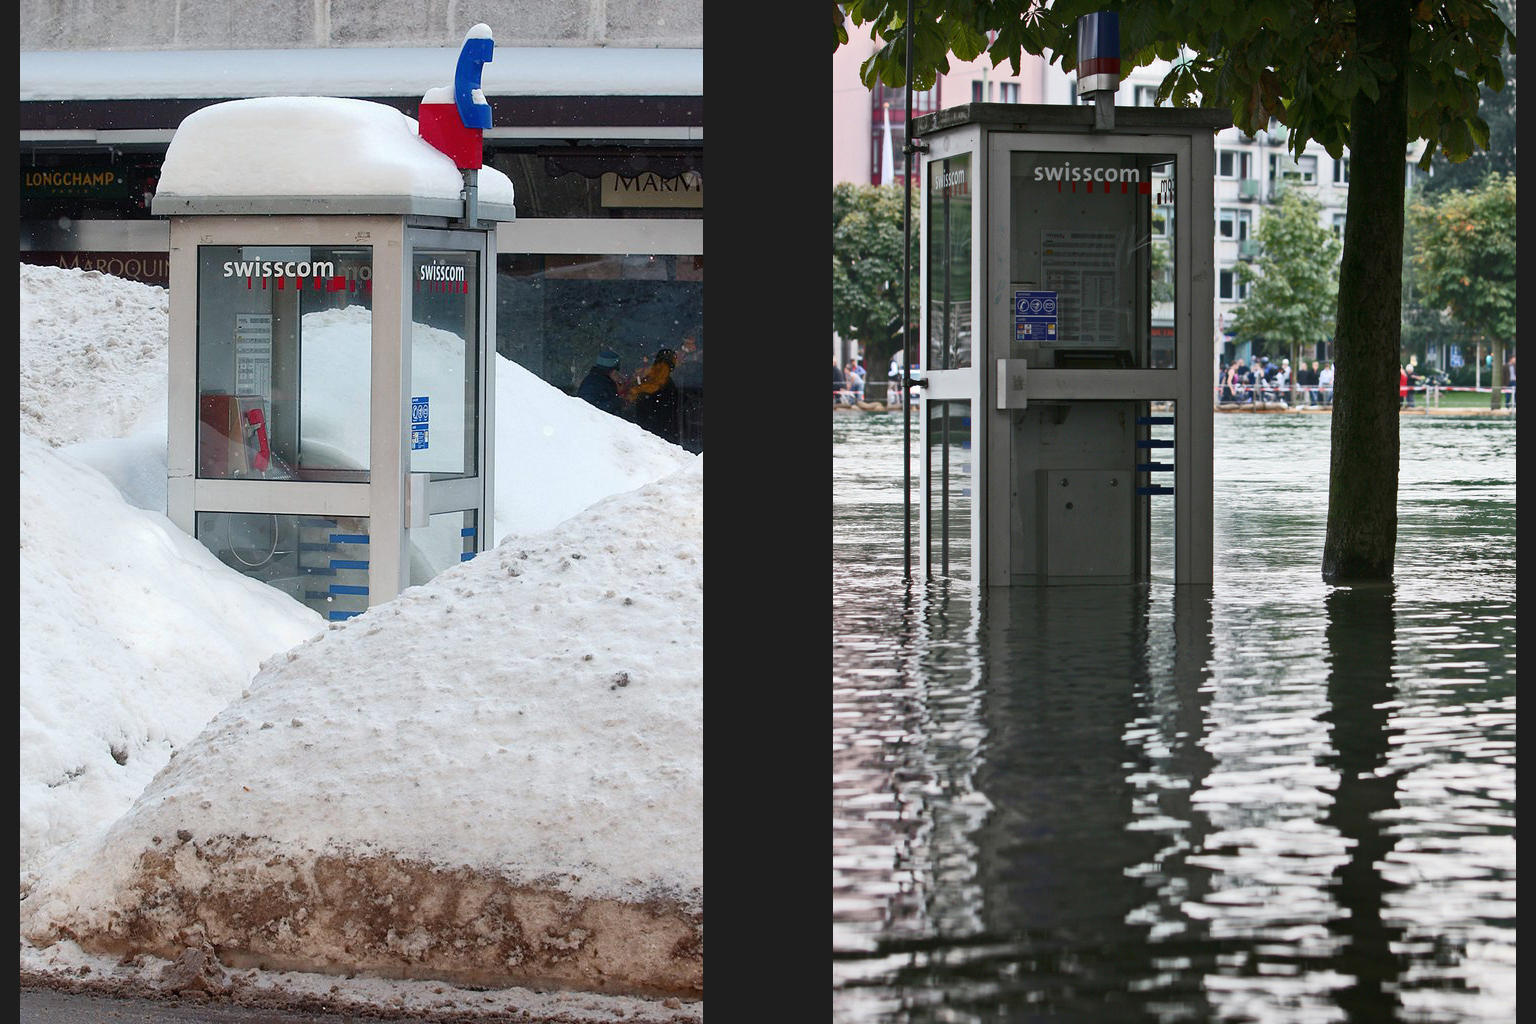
point(475, 54)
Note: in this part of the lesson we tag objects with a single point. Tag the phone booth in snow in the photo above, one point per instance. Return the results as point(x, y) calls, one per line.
point(332, 337)
point(1066, 296)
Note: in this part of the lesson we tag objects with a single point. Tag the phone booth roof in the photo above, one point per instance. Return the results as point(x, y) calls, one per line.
point(1046, 117)
point(316, 155)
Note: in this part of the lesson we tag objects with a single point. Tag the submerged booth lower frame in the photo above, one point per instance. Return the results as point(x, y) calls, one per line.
point(1066, 297)
point(331, 388)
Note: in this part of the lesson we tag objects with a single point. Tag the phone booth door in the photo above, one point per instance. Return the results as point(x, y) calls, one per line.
point(950, 523)
point(449, 443)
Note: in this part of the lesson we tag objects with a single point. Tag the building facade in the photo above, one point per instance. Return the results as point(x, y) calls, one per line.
point(597, 119)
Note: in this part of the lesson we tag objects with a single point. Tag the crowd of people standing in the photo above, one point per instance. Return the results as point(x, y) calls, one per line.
point(1267, 381)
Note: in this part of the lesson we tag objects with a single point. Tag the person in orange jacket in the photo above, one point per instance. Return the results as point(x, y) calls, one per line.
point(656, 398)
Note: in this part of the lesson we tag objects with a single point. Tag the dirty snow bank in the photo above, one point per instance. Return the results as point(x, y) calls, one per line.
point(132, 635)
point(519, 738)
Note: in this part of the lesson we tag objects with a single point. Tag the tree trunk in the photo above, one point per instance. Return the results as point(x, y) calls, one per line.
point(1496, 376)
point(1361, 537)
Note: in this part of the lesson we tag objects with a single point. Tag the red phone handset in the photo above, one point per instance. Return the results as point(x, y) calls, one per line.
point(264, 451)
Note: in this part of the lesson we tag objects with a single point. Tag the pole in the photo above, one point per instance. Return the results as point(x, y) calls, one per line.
point(906, 311)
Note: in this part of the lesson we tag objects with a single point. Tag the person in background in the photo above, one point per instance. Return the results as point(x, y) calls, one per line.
point(855, 378)
point(600, 387)
point(840, 393)
point(1229, 383)
point(1509, 382)
point(655, 398)
point(1325, 384)
point(1306, 380)
point(1404, 396)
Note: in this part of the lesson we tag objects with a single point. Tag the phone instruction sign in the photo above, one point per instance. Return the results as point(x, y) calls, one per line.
point(253, 354)
point(1034, 316)
point(419, 416)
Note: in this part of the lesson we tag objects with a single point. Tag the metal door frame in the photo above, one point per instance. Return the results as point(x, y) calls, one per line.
point(1184, 385)
point(965, 383)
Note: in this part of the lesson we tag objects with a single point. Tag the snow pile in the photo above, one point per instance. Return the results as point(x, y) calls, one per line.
point(132, 636)
point(92, 355)
point(311, 146)
point(522, 738)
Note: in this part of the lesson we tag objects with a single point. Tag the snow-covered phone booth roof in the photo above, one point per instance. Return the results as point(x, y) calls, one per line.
point(316, 155)
point(332, 338)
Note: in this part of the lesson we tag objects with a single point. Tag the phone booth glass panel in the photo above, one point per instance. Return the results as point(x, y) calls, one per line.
point(284, 343)
point(445, 365)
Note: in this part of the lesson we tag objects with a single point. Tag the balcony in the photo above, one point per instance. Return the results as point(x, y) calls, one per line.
point(1248, 190)
point(1248, 248)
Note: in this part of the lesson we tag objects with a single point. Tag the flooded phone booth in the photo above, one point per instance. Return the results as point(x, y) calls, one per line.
point(331, 380)
point(1066, 288)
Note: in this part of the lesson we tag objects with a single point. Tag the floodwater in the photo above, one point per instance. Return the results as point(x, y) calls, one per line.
point(1268, 800)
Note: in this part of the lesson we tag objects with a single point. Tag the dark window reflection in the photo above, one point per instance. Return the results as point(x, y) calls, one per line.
point(556, 313)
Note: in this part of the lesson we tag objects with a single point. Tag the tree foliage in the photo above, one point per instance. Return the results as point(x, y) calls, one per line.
point(1498, 109)
point(1294, 282)
point(1300, 62)
point(1464, 258)
point(866, 266)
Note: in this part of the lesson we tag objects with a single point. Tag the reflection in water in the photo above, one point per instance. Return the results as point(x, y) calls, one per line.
point(1270, 800)
point(1360, 696)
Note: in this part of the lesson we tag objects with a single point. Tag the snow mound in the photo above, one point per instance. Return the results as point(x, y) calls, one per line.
point(311, 146)
point(132, 636)
point(92, 354)
point(495, 778)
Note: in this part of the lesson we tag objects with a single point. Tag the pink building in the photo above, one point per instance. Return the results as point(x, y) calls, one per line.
point(858, 113)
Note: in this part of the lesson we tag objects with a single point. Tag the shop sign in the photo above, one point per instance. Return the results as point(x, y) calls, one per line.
point(651, 189)
point(145, 267)
point(92, 182)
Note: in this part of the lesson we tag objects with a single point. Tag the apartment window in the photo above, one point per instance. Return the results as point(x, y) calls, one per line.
point(1341, 171)
point(1007, 92)
point(1296, 172)
point(977, 95)
point(1234, 163)
point(1234, 225)
point(1145, 96)
point(1338, 226)
point(1231, 288)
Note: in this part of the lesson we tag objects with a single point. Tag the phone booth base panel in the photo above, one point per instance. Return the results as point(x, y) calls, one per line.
point(319, 561)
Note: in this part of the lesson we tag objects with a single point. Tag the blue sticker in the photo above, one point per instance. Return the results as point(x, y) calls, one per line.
point(1034, 316)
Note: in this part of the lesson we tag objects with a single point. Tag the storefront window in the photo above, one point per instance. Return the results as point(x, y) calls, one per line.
point(555, 313)
point(284, 343)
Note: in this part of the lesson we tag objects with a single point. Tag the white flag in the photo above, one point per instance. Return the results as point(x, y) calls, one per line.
point(887, 160)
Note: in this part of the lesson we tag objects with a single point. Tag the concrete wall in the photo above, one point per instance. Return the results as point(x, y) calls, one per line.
point(285, 24)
